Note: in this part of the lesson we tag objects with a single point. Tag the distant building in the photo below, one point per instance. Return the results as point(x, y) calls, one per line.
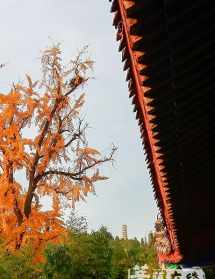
point(124, 232)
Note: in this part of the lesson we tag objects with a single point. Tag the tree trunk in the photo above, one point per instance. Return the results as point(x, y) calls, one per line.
point(28, 201)
point(16, 208)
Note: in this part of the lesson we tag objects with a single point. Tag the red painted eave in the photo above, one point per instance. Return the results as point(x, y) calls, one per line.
point(168, 49)
point(142, 102)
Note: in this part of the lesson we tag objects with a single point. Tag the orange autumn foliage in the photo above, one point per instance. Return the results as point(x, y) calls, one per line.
point(42, 134)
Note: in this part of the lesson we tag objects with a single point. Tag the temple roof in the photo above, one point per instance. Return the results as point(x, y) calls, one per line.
point(168, 49)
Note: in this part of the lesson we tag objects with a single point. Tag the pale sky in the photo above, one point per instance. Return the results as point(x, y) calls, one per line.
point(27, 27)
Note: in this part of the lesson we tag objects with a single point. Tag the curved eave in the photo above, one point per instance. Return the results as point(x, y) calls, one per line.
point(140, 92)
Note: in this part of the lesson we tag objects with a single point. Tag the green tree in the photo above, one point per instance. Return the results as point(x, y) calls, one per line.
point(101, 265)
point(58, 263)
point(120, 260)
point(76, 224)
point(95, 255)
point(86, 256)
point(18, 265)
point(128, 253)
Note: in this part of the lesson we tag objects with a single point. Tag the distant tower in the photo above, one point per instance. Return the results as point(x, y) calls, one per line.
point(124, 232)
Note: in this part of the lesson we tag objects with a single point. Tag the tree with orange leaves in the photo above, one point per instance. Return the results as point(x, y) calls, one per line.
point(54, 155)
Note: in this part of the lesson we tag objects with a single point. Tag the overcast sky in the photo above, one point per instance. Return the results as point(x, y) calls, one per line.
point(27, 27)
